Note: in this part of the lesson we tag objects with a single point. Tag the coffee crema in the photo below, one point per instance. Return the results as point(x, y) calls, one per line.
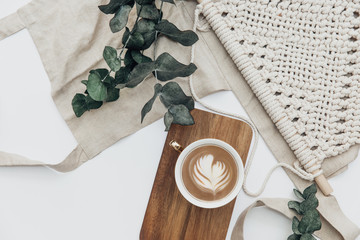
point(209, 172)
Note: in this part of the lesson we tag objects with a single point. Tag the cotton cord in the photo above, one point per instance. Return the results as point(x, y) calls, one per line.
point(296, 170)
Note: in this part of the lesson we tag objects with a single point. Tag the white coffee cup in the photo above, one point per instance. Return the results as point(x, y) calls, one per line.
point(178, 172)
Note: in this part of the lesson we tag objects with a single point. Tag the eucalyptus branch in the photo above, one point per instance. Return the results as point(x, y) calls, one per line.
point(103, 86)
point(310, 220)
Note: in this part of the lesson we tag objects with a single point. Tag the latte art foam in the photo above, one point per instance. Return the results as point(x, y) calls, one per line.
point(209, 172)
point(209, 176)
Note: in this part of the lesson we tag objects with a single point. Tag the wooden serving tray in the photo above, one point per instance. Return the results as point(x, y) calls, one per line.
point(169, 216)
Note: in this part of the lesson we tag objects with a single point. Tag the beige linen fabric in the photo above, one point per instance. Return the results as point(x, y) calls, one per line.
point(70, 37)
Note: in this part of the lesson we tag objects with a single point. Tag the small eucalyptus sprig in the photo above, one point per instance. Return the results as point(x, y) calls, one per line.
point(310, 220)
point(129, 67)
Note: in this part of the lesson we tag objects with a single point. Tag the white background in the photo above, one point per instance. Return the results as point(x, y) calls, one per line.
point(107, 197)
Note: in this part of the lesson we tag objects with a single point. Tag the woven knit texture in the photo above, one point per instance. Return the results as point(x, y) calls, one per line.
point(301, 59)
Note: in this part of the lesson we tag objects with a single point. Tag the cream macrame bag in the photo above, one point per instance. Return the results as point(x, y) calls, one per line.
point(299, 58)
point(70, 37)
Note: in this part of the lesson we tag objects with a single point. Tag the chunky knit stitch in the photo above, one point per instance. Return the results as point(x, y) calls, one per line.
point(301, 59)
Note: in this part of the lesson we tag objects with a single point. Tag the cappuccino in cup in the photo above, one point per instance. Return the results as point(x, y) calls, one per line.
point(209, 173)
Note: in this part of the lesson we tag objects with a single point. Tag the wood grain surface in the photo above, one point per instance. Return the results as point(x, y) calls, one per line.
point(169, 216)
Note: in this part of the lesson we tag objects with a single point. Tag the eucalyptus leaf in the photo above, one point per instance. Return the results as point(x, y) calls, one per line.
point(133, 41)
point(310, 222)
point(113, 6)
point(147, 29)
point(110, 56)
point(148, 11)
point(122, 76)
point(298, 194)
point(139, 57)
point(102, 72)
point(145, 26)
point(148, 106)
point(113, 94)
point(120, 19)
point(169, 68)
point(128, 60)
point(139, 73)
point(169, 1)
point(307, 236)
point(79, 104)
point(84, 82)
point(186, 38)
point(92, 104)
point(309, 203)
point(96, 88)
point(294, 237)
point(82, 103)
point(168, 119)
point(181, 115)
point(109, 82)
point(295, 225)
point(172, 94)
point(142, 2)
point(295, 206)
point(310, 190)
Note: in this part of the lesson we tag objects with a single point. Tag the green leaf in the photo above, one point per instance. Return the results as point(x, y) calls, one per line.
point(92, 104)
point(128, 60)
point(295, 225)
point(172, 94)
point(145, 26)
point(113, 94)
point(295, 206)
point(96, 88)
point(148, 106)
point(307, 236)
point(110, 56)
point(169, 1)
point(136, 40)
point(113, 6)
point(139, 73)
point(293, 237)
point(82, 103)
point(120, 19)
point(148, 11)
point(122, 76)
point(142, 2)
point(79, 104)
point(169, 68)
point(168, 119)
point(309, 204)
point(186, 38)
point(298, 194)
point(310, 190)
point(139, 58)
point(181, 115)
point(103, 73)
point(147, 29)
point(84, 82)
point(109, 82)
point(310, 222)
